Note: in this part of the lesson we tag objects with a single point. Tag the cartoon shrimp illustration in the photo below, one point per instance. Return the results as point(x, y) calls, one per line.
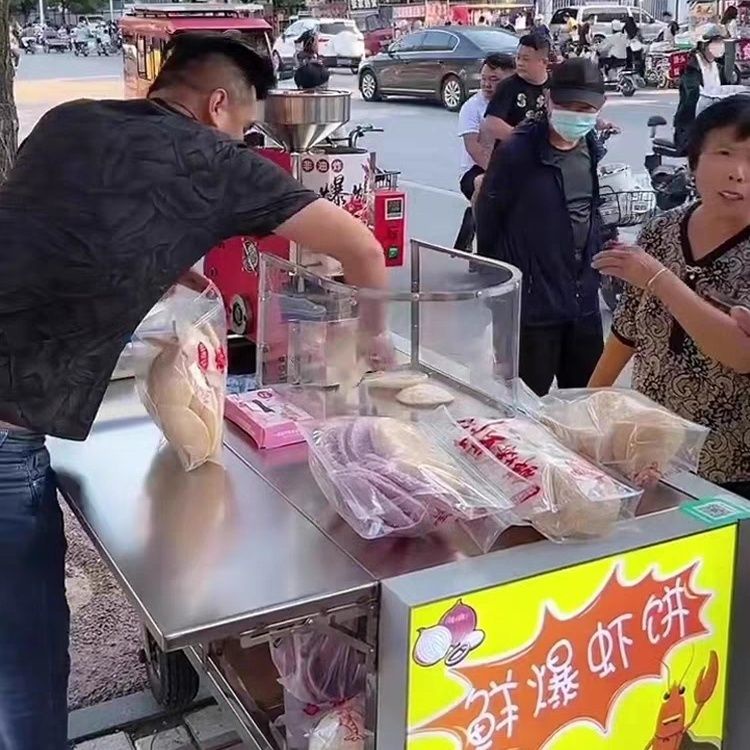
point(671, 728)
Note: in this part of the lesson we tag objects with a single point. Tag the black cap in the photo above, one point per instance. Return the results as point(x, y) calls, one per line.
point(577, 81)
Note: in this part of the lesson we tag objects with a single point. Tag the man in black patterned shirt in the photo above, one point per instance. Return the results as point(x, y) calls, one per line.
point(109, 204)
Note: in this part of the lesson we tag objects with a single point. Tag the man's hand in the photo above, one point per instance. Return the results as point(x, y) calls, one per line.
point(606, 126)
point(741, 316)
point(629, 263)
point(377, 351)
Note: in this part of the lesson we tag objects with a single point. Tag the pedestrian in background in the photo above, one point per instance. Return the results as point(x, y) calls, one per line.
point(537, 209)
point(475, 155)
point(729, 22)
point(613, 50)
point(689, 356)
point(703, 71)
point(671, 29)
point(520, 96)
point(635, 60)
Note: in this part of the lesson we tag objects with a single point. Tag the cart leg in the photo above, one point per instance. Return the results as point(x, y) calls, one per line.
point(174, 682)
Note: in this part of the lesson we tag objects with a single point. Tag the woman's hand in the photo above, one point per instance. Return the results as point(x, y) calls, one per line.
point(629, 263)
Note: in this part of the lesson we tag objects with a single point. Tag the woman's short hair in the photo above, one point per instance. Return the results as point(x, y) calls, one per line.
point(732, 112)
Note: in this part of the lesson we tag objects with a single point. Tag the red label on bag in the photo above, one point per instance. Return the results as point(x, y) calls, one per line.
point(202, 357)
point(221, 359)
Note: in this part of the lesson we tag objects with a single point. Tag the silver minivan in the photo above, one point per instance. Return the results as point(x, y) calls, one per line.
point(600, 18)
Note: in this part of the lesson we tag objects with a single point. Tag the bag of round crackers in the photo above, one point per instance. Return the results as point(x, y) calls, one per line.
point(181, 368)
point(566, 496)
point(623, 430)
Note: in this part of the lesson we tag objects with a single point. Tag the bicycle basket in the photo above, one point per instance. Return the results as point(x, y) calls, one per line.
point(627, 208)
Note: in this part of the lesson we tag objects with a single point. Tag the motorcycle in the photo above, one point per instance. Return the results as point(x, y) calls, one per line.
point(81, 48)
point(671, 183)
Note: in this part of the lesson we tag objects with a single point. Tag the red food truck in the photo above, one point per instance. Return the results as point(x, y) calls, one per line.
point(146, 31)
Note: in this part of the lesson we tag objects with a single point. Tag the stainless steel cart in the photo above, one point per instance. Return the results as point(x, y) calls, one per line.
point(220, 561)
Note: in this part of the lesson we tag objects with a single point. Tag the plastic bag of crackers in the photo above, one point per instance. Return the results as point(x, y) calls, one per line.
point(180, 352)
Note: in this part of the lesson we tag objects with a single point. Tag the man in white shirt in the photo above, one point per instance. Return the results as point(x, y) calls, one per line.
point(613, 50)
point(475, 155)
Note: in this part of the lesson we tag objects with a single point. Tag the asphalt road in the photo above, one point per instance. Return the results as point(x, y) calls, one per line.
point(419, 139)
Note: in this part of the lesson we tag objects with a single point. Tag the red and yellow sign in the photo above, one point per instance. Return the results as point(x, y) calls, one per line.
point(624, 653)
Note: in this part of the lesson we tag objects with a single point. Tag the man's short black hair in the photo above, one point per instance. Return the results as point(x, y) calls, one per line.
point(732, 112)
point(189, 49)
point(666, 13)
point(538, 42)
point(500, 61)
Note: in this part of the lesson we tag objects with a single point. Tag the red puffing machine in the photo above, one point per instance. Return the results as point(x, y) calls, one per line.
point(303, 124)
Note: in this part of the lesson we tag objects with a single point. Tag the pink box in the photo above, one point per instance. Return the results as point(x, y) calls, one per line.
point(269, 420)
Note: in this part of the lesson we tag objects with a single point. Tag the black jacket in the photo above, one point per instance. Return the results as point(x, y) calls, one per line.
point(691, 81)
point(523, 219)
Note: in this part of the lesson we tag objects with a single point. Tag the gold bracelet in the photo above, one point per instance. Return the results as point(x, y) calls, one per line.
point(653, 279)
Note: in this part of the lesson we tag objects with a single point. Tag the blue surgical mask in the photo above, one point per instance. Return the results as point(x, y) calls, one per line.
point(572, 126)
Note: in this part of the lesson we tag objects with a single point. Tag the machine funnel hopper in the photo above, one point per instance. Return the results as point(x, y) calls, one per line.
point(299, 120)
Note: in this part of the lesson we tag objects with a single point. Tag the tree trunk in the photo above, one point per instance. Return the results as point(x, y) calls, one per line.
point(8, 115)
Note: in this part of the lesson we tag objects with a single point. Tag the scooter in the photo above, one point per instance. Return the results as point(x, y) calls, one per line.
point(626, 81)
point(671, 182)
point(81, 48)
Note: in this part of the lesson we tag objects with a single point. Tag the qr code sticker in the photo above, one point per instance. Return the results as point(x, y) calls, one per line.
point(718, 510)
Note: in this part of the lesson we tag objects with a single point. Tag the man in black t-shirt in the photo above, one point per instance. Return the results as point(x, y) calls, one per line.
point(108, 205)
point(522, 96)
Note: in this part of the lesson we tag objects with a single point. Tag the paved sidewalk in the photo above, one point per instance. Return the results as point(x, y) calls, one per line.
point(205, 729)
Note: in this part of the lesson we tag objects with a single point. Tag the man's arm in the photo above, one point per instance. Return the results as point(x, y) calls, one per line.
point(495, 127)
point(260, 199)
point(478, 151)
point(327, 229)
point(492, 202)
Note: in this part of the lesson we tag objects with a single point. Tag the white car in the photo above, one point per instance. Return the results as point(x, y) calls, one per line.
point(600, 18)
point(340, 43)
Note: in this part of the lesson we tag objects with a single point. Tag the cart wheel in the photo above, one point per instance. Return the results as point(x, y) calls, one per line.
point(173, 680)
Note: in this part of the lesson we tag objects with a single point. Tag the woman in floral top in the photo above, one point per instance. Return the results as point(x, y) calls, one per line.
point(691, 265)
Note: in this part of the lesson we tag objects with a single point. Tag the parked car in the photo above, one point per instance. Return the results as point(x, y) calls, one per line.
point(378, 33)
point(440, 63)
point(600, 18)
point(340, 43)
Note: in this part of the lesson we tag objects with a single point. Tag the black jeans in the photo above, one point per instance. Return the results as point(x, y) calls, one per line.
point(566, 351)
point(468, 227)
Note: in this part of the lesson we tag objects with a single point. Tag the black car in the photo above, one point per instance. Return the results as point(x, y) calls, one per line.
point(438, 63)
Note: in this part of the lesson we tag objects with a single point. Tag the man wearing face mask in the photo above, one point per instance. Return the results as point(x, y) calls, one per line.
point(537, 209)
point(108, 205)
point(704, 70)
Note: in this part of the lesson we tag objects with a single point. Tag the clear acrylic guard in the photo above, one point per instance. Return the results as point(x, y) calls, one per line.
point(459, 327)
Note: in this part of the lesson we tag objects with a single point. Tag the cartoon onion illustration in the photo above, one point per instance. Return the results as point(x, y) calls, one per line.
point(461, 620)
point(432, 645)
